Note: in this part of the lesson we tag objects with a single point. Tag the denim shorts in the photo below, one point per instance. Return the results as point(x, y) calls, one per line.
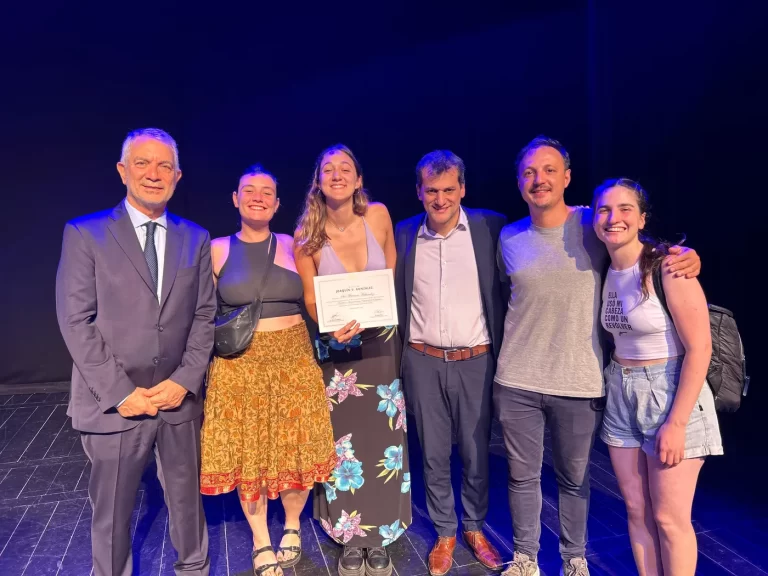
point(639, 399)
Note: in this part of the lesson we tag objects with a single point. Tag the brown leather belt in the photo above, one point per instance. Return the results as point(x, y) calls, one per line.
point(451, 354)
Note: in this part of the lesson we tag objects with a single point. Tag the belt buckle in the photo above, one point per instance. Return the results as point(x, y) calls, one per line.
point(446, 352)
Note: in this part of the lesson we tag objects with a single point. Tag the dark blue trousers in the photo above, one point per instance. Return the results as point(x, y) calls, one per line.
point(452, 399)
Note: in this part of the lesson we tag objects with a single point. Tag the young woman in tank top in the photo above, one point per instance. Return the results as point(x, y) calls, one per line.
point(660, 420)
point(267, 430)
point(366, 504)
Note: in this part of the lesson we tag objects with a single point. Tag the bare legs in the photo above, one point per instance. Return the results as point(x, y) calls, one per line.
point(672, 492)
point(659, 501)
point(293, 503)
point(632, 473)
point(256, 515)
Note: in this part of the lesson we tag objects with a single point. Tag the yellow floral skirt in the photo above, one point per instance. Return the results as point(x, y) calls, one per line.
point(266, 425)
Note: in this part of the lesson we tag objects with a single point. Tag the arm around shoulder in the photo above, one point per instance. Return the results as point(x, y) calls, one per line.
point(683, 262)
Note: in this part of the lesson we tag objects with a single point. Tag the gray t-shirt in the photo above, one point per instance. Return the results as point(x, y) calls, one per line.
point(552, 338)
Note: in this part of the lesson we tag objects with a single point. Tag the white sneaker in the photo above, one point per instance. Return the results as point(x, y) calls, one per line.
point(522, 565)
point(575, 567)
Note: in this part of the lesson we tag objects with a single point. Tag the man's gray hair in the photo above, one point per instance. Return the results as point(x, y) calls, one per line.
point(155, 134)
point(540, 142)
point(438, 162)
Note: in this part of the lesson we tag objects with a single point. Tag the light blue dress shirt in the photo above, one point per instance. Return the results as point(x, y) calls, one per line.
point(138, 220)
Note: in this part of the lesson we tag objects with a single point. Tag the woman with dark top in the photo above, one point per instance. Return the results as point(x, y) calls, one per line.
point(366, 504)
point(266, 430)
point(660, 421)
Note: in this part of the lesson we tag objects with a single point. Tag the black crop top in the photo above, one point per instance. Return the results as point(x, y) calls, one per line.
point(239, 278)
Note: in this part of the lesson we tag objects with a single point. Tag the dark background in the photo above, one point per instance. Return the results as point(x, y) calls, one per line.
point(672, 94)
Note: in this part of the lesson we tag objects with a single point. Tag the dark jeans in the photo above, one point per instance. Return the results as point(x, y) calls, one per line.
point(572, 423)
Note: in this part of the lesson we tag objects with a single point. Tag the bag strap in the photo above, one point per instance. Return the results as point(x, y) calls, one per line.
point(270, 261)
point(658, 287)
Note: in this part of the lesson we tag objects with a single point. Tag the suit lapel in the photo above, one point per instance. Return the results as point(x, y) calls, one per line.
point(121, 227)
point(410, 267)
point(482, 249)
point(173, 244)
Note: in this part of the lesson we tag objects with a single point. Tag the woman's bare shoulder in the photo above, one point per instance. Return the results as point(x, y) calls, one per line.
point(220, 247)
point(377, 208)
point(378, 214)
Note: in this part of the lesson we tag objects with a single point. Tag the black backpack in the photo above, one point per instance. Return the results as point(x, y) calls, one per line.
point(727, 373)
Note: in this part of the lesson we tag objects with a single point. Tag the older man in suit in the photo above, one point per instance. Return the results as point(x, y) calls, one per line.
point(135, 303)
point(451, 308)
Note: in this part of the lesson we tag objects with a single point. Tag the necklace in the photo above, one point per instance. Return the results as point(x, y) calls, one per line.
point(340, 228)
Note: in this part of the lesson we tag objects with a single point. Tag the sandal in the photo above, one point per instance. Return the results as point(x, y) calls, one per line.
point(293, 549)
point(261, 569)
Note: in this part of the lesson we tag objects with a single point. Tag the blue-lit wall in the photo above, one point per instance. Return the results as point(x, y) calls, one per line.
point(670, 93)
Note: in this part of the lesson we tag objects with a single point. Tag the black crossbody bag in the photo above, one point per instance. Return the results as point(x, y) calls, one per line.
point(233, 331)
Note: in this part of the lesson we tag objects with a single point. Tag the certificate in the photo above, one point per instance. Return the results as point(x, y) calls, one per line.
point(366, 297)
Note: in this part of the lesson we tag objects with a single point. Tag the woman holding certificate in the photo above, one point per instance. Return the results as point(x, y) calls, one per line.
point(266, 431)
point(366, 504)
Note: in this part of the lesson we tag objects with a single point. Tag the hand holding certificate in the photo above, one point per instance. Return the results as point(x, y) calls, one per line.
point(366, 297)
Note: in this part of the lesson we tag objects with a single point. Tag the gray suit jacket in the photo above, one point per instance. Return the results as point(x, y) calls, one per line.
point(118, 334)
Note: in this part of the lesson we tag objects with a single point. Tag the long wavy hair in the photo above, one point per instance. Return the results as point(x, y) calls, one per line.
point(310, 233)
point(654, 250)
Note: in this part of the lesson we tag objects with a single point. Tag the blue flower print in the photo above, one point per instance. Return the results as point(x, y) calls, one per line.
point(394, 458)
point(391, 533)
point(405, 487)
point(322, 349)
point(392, 402)
point(389, 394)
point(353, 343)
point(324, 343)
point(330, 492)
point(349, 476)
point(392, 462)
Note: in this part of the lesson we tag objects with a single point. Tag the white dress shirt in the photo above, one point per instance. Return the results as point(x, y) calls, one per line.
point(138, 220)
point(447, 307)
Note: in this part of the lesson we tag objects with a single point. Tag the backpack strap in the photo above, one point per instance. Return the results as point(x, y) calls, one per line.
point(270, 261)
point(658, 287)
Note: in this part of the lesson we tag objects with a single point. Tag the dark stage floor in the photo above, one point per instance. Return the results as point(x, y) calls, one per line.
point(45, 515)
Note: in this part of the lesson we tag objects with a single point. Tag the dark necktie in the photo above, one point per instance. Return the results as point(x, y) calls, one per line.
point(150, 253)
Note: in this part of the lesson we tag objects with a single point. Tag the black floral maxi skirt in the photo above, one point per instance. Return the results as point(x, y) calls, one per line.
point(367, 501)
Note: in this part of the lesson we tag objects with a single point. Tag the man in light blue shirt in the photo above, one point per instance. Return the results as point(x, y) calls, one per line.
point(135, 303)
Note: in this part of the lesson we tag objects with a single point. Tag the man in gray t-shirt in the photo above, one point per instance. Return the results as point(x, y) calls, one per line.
point(550, 367)
point(552, 341)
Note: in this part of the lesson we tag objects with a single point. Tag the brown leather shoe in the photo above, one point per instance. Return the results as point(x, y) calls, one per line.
point(441, 556)
point(484, 551)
